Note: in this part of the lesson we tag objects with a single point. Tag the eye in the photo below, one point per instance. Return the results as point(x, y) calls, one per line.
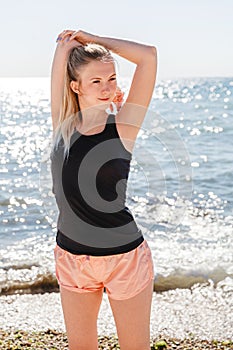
point(113, 78)
point(96, 81)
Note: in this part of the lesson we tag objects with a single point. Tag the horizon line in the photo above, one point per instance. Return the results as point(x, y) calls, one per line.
point(129, 77)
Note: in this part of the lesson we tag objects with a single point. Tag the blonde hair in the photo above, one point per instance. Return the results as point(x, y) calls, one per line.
point(70, 109)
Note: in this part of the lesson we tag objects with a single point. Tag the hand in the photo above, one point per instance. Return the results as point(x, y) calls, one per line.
point(64, 42)
point(83, 37)
point(79, 36)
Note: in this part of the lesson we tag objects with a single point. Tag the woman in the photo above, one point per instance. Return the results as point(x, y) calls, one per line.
point(98, 242)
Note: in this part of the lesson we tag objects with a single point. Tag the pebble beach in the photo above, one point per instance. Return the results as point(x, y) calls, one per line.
point(51, 339)
point(199, 318)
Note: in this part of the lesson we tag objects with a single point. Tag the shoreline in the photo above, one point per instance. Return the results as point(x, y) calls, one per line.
point(202, 312)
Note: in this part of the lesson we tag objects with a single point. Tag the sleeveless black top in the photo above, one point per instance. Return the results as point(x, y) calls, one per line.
point(90, 190)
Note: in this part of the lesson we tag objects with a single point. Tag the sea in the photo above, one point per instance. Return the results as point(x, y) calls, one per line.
point(180, 187)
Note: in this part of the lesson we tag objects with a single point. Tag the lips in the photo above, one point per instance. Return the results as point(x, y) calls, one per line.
point(104, 99)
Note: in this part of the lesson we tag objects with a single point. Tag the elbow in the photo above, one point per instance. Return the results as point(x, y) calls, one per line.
point(152, 55)
point(153, 51)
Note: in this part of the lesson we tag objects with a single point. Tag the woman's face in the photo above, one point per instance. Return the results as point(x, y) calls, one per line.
point(98, 85)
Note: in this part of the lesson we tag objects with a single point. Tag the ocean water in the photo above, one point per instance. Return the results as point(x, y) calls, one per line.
point(179, 189)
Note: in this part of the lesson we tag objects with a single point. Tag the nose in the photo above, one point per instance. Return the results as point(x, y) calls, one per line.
point(106, 89)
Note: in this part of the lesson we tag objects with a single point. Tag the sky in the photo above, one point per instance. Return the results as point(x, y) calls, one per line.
point(193, 38)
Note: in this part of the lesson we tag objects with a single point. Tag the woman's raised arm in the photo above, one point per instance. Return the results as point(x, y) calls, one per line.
point(144, 56)
point(58, 75)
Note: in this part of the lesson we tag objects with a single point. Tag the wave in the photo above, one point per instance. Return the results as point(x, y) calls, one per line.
point(47, 283)
point(186, 280)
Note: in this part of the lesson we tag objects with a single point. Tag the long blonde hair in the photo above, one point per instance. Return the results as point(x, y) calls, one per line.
point(70, 109)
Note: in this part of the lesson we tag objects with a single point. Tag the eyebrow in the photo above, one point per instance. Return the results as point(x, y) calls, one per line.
point(111, 75)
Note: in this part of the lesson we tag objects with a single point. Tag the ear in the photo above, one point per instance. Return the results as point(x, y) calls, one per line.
point(74, 85)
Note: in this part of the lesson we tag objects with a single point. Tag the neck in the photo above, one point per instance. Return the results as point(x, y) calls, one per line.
point(92, 118)
point(95, 113)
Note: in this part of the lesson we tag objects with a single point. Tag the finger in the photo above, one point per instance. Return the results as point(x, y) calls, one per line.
point(63, 35)
point(74, 35)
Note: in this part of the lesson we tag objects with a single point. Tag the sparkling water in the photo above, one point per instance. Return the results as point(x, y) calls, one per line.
point(179, 189)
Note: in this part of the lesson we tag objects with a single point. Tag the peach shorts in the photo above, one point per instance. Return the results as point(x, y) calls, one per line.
point(123, 275)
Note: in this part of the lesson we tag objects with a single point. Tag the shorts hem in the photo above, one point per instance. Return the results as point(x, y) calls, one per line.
point(79, 290)
point(132, 294)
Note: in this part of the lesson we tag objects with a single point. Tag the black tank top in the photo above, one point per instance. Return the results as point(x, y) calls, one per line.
point(90, 190)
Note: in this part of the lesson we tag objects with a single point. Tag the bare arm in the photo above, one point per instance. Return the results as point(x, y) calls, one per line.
point(57, 77)
point(144, 56)
point(132, 114)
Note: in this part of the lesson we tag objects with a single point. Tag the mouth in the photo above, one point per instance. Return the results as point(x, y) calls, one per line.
point(104, 99)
